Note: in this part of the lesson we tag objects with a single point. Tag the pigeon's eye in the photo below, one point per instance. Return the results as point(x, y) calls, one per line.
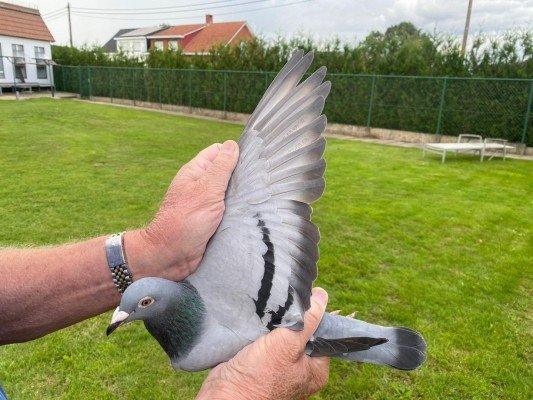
point(145, 302)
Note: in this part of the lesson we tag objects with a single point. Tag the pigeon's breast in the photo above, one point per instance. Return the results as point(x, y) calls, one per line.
point(217, 344)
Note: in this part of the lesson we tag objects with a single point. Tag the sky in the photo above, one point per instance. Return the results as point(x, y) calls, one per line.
point(349, 20)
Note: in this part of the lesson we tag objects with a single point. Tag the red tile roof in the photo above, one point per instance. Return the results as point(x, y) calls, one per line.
point(218, 33)
point(179, 30)
point(23, 22)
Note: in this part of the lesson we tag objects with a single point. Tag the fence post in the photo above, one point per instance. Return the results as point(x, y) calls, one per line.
point(371, 102)
point(110, 92)
point(190, 90)
point(159, 87)
point(225, 94)
point(133, 84)
point(528, 111)
point(89, 79)
point(52, 79)
point(441, 107)
point(63, 86)
point(79, 81)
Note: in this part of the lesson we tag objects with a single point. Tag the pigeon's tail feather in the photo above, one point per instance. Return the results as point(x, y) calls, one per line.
point(354, 340)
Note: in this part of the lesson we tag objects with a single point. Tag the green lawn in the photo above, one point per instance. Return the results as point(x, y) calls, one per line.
point(444, 249)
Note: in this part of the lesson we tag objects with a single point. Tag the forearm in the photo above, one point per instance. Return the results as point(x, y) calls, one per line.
point(43, 290)
point(46, 289)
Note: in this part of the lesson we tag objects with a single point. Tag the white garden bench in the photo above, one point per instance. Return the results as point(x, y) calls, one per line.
point(469, 143)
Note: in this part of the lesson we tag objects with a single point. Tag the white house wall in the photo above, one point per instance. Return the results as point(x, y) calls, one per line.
point(29, 52)
point(136, 46)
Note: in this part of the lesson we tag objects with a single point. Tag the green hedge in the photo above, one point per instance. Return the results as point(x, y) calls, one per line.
point(450, 106)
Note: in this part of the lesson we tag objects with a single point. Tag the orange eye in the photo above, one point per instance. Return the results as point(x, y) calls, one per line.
point(146, 302)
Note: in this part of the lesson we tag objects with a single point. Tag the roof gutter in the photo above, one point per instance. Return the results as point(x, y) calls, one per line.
point(166, 37)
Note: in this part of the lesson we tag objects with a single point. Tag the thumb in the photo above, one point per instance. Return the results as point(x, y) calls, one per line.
point(313, 316)
point(219, 172)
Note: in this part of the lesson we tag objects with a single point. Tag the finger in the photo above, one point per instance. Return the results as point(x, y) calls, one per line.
point(313, 316)
point(219, 172)
point(203, 160)
point(209, 153)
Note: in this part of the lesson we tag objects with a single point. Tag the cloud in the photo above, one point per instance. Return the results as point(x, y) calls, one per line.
point(323, 19)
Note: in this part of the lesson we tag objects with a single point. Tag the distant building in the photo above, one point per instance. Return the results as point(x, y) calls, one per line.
point(25, 48)
point(200, 38)
point(111, 44)
point(134, 41)
point(191, 39)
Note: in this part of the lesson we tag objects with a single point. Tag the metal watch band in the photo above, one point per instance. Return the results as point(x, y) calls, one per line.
point(116, 260)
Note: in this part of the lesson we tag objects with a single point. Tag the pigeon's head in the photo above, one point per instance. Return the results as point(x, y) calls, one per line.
point(144, 300)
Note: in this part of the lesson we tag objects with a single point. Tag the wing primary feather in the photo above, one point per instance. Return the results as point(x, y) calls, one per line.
point(295, 58)
point(304, 89)
point(281, 87)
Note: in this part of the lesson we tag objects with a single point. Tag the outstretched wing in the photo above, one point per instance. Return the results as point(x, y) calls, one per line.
point(260, 264)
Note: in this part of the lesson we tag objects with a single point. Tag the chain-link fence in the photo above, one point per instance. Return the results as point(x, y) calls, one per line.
point(489, 107)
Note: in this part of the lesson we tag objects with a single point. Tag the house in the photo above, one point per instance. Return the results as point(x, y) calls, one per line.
point(133, 42)
point(111, 44)
point(191, 39)
point(200, 38)
point(25, 48)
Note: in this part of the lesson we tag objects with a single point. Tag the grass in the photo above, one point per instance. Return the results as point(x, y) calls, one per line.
point(445, 249)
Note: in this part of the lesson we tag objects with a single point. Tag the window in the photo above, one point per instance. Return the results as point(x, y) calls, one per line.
point(39, 54)
point(18, 53)
point(158, 44)
point(20, 72)
point(20, 61)
point(173, 45)
point(41, 72)
point(136, 46)
point(2, 74)
point(41, 64)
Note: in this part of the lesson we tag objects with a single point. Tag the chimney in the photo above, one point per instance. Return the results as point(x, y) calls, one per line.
point(208, 19)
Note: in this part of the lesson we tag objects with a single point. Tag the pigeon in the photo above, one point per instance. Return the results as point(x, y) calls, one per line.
point(259, 266)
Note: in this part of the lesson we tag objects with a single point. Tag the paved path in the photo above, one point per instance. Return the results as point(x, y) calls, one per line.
point(36, 95)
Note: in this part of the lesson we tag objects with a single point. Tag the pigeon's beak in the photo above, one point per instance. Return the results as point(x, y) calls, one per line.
point(119, 318)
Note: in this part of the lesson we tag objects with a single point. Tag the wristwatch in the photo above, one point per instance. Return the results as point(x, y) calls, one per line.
point(116, 260)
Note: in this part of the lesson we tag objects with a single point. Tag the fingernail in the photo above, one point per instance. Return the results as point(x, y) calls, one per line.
point(229, 147)
point(320, 296)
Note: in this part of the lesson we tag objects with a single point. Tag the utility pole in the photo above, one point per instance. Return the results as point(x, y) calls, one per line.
point(70, 24)
point(467, 26)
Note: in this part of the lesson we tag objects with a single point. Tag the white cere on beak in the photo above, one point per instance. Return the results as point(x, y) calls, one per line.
point(119, 316)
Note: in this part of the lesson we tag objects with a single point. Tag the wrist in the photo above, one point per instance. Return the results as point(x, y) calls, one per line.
point(148, 256)
point(141, 254)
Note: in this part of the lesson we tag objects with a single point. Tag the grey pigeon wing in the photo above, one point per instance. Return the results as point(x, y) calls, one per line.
point(261, 262)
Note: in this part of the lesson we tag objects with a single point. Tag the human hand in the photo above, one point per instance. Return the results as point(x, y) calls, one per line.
point(173, 244)
point(273, 367)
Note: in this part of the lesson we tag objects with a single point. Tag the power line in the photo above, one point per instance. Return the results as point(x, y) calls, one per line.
point(163, 12)
point(154, 8)
point(189, 17)
point(51, 13)
point(52, 18)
